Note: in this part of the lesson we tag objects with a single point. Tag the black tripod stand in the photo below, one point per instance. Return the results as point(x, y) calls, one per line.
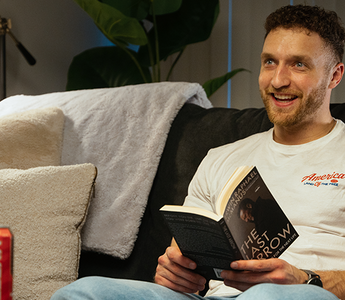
point(5, 27)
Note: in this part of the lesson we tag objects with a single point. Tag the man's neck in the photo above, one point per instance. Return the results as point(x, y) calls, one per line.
point(302, 134)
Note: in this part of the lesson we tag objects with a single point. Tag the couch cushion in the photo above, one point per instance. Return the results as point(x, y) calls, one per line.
point(45, 209)
point(31, 139)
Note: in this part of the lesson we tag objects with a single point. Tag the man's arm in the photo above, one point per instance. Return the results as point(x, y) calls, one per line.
point(279, 271)
point(175, 271)
point(333, 281)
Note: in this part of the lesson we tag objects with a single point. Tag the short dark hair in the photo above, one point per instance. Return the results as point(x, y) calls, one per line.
point(243, 205)
point(314, 19)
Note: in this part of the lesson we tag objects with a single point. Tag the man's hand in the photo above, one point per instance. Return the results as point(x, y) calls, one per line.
point(251, 272)
point(175, 271)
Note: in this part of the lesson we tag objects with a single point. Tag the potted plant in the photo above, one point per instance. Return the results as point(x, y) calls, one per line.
point(144, 33)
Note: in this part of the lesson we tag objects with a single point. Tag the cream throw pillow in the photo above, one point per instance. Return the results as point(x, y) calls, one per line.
point(31, 139)
point(45, 209)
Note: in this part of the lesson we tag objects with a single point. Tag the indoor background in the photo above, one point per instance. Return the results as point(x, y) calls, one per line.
point(55, 31)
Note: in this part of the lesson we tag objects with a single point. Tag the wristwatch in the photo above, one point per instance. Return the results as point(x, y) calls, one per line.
point(313, 278)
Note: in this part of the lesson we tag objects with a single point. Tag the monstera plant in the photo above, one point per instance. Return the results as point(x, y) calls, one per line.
point(144, 32)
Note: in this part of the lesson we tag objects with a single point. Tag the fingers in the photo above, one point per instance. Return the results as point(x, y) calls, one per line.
point(176, 272)
point(264, 265)
point(177, 283)
point(250, 272)
point(175, 256)
point(242, 280)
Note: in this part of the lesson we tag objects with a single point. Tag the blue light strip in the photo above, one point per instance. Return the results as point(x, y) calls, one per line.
point(229, 51)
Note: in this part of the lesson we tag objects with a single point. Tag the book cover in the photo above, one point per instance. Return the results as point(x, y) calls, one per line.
point(249, 224)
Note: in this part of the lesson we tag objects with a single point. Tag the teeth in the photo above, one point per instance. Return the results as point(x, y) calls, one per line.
point(284, 97)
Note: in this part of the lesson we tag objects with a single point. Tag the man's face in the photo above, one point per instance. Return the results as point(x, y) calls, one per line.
point(294, 79)
point(246, 214)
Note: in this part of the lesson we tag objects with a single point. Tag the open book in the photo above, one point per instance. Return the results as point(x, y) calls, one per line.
point(249, 224)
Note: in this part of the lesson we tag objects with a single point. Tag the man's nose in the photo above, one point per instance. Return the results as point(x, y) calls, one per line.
point(281, 77)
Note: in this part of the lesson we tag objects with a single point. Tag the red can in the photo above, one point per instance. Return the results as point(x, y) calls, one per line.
point(6, 248)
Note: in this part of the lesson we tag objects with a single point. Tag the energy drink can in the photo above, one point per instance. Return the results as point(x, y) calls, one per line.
point(6, 256)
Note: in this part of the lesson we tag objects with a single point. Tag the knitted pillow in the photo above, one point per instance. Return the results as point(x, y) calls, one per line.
point(31, 139)
point(45, 209)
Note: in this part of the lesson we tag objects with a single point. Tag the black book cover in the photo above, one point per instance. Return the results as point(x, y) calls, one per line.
point(252, 226)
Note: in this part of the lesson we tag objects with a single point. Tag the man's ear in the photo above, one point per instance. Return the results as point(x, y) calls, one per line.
point(337, 75)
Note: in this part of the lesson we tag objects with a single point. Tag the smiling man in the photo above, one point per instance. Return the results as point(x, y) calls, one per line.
point(298, 72)
point(301, 63)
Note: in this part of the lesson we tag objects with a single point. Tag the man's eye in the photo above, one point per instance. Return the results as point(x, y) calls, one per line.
point(269, 62)
point(300, 65)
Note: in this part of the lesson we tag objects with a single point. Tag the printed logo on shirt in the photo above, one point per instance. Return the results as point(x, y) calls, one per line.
point(330, 179)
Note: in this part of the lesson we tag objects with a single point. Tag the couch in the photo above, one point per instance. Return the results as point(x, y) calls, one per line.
point(192, 131)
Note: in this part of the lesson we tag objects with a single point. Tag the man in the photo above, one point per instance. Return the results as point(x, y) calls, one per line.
point(300, 65)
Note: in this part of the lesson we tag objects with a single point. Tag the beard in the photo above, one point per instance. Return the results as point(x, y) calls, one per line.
point(287, 117)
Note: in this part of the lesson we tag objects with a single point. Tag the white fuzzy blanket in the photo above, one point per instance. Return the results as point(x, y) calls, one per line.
point(122, 131)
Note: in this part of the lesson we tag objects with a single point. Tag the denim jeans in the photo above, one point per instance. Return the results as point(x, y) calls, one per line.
point(102, 288)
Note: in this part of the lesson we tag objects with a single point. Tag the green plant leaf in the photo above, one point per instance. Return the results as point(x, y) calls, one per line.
point(213, 85)
point(104, 67)
point(117, 27)
point(192, 23)
point(138, 9)
point(162, 7)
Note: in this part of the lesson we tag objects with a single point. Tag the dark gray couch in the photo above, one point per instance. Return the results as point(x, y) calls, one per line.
point(194, 131)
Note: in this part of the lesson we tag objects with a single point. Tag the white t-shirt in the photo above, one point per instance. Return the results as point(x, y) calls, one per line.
point(308, 182)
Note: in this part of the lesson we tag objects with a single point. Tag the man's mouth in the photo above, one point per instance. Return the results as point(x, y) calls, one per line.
point(284, 97)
